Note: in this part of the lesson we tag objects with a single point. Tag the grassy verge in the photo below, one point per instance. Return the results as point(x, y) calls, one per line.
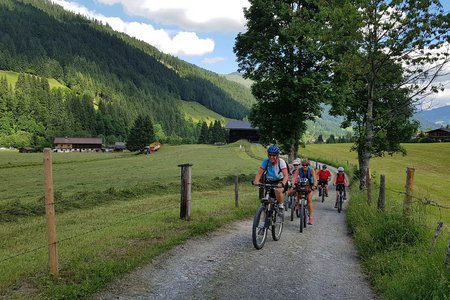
point(396, 252)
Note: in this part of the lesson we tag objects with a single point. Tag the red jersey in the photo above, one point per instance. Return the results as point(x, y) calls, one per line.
point(340, 178)
point(324, 175)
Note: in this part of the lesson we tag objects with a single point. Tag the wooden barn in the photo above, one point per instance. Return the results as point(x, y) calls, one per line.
point(66, 144)
point(439, 135)
point(241, 130)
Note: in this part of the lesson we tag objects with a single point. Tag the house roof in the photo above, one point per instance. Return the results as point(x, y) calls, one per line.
point(239, 125)
point(67, 140)
point(440, 129)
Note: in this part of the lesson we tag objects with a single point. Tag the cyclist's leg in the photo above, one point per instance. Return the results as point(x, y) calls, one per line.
point(279, 195)
point(326, 189)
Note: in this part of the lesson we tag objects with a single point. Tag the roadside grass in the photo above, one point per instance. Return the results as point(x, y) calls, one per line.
point(396, 252)
point(100, 241)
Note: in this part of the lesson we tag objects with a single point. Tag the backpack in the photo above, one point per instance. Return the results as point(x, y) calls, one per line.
point(279, 169)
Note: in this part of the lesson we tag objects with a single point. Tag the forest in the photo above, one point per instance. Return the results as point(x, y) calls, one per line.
point(110, 77)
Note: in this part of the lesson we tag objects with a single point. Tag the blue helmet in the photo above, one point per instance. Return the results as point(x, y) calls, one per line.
point(273, 149)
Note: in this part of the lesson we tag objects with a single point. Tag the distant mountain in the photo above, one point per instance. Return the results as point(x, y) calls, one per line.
point(434, 118)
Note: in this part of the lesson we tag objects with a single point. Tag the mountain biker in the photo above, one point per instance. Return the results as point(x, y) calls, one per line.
point(340, 180)
point(275, 170)
point(306, 172)
point(295, 163)
point(324, 176)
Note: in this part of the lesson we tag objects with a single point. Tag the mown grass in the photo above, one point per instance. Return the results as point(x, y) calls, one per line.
point(397, 252)
point(11, 77)
point(108, 227)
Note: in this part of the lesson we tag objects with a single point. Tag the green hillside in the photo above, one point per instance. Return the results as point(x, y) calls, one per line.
point(195, 112)
point(11, 77)
point(111, 79)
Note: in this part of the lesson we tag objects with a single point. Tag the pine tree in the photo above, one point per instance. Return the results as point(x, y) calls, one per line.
point(141, 134)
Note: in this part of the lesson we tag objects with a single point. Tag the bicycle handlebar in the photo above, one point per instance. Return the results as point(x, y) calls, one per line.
point(266, 185)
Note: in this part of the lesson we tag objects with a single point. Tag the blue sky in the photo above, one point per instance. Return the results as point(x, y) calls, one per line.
point(201, 32)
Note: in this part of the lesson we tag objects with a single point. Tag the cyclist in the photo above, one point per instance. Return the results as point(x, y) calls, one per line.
point(324, 176)
point(295, 163)
point(340, 180)
point(275, 170)
point(306, 172)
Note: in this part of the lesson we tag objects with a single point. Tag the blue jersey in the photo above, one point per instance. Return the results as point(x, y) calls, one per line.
point(307, 175)
point(274, 171)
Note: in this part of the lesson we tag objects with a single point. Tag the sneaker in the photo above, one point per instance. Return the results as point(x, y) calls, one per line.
point(310, 221)
point(326, 194)
point(281, 206)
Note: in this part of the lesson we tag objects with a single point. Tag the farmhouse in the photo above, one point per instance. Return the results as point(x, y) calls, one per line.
point(238, 130)
point(66, 144)
point(439, 135)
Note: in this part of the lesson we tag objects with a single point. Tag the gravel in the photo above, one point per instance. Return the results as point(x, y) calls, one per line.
point(320, 263)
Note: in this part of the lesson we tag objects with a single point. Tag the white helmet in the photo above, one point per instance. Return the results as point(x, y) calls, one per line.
point(296, 161)
point(340, 169)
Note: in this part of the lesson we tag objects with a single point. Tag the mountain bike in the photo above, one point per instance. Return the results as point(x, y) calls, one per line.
point(322, 190)
point(302, 190)
point(267, 217)
point(340, 196)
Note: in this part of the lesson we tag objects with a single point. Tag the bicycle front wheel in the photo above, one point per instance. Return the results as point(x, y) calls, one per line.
point(340, 204)
point(302, 215)
point(277, 226)
point(259, 230)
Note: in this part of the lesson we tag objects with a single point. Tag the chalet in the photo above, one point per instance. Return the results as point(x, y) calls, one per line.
point(439, 135)
point(241, 130)
point(66, 144)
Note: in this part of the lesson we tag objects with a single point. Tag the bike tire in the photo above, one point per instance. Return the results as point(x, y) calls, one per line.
point(292, 208)
point(323, 194)
point(277, 227)
point(340, 204)
point(259, 230)
point(302, 216)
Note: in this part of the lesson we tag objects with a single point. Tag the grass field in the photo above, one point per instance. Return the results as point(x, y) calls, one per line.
point(116, 212)
point(11, 77)
point(197, 112)
point(124, 210)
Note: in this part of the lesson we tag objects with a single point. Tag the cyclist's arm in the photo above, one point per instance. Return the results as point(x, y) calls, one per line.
point(313, 174)
point(294, 177)
point(285, 176)
point(258, 176)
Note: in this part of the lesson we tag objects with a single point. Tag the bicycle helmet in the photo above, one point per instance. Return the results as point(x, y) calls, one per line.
point(273, 149)
point(296, 161)
point(340, 169)
point(324, 167)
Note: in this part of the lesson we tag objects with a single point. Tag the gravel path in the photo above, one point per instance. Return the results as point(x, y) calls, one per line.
point(320, 263)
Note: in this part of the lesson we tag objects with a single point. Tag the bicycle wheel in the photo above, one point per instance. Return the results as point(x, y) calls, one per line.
point(277, 226)
point(302, 215)
point(323, 193)
point(259, 230)
point(292, 206)
point(340, 203)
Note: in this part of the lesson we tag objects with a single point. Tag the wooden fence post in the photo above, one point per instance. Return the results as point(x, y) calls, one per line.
point(407, 203)
point(382, 194)
point(236, 192)
point(447, 256)
point(369, 187)
point(186, 183)
point(50, 213)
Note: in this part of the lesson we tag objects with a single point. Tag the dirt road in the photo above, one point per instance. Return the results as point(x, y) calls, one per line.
point(320, 263)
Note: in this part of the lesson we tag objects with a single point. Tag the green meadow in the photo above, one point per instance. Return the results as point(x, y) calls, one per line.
point(114, 212)
point(397, 252)
point(117, 211)
point(11, 77)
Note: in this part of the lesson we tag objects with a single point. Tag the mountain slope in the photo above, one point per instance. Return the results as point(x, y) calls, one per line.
point(40, 38)
point(434, 118)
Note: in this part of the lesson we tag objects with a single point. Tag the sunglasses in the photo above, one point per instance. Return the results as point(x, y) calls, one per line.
point(295, 165)
point(304, 165)
point(273, 155)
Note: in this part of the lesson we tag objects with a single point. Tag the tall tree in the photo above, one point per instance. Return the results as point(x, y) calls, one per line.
point(280, 54)
point(204, 134)
point(141, 134)
point(388, 54)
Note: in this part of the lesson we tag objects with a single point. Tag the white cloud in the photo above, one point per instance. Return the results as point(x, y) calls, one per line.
point(178, 43)
point(212, 60)
point(198, 15)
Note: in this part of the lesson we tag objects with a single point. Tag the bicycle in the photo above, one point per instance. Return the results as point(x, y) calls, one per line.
point(322, 189)
point(302, 190)
point(340, 196)
point(267, 217)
